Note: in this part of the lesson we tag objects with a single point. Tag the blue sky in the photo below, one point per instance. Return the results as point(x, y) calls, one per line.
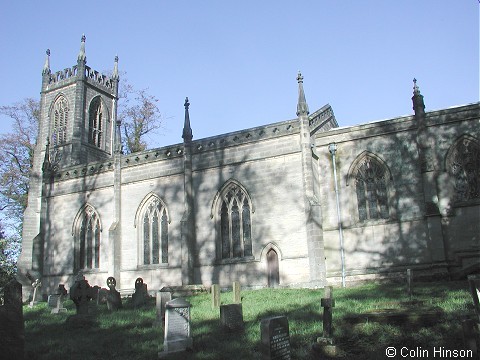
point(237, 60)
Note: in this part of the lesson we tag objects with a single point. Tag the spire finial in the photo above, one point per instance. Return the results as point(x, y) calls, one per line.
point(46, 66)
point(81, 54)
point(187, 130)
point(416, 89)
point(115, 69)
point(302, 106)
point(417, 99)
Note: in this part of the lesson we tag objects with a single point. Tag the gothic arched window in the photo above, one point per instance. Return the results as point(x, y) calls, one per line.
point(60, 119)
point(95, 124)
point(463, 164)
point(87, 239)
point(371, 179)
point(234, 222)
point(153, 232)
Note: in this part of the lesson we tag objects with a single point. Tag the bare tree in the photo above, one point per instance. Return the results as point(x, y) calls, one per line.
point(16, 158)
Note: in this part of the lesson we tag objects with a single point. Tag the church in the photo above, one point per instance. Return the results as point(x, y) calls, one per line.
point(297, 203)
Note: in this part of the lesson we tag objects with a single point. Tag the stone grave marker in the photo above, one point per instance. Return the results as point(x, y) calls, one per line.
point(52, 300)
point(12, 330)
point(140, 297)
point(177, 335)
point(231, 317)
point(474, 282)
point(102, 296)
point(60, 297)
point(328, 303)
point(409, 282)
point(162, 298)
point(36, 284)
point(236, 293)
point(113, 298)
point(81, 293)
point(215, 295)
point(275, 338)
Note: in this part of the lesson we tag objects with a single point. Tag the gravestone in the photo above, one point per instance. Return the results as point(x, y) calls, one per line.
point(470, 335)
point(409, 282)
point(474, 283)
point(231, 317)
point(177, 335)
point(81, 293)
point(275, 338)
point(102, 296)
point(162, 298)
point(12, 330)
point(56, 301)
point(36, 284)
point(215, 296)
point(140, 297)
point(113, 298)
point(236, 293)
point(52, 300)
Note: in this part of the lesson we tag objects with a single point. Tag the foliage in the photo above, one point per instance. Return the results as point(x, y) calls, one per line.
point(128, 334)
point(140, 116)
point(16, 158)
point(8, 251)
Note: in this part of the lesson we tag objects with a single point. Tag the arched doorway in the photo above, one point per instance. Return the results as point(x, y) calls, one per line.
point(272, 268)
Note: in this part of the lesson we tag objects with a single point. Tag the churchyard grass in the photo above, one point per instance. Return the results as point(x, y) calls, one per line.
point(128, 333)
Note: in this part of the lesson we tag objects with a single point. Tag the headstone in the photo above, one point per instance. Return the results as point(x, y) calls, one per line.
point(12, 330)
point(231, 317)
point(275, 338)
point(162, 298)
point(81, 293)
point(470, 337)
point(328, 304)
point(102, 296)
point(474, 282)
point(52, 300)
point(215, 296)
point(113, 298)
point(177, 335)
point(409, 282)
point(36, 284)
point(140, 297)
point(59, 297)
point(236, 293)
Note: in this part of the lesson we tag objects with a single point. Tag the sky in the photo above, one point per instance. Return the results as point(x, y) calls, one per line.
point(237, 61)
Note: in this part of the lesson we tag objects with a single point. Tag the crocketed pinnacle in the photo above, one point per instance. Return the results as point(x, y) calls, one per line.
point(81, 54)
point(187, 130)
point(302, 106)
point(416, 90)
point(46, 67)
point(115, 69)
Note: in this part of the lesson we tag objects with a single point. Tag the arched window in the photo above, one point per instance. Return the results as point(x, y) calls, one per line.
point(153, 220)
point(463, 164)
point(87, 239)
point(60, 119)
point(95, 125)
point(234, 222)
point(371, 178)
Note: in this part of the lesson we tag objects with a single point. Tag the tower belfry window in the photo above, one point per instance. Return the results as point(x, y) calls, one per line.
point(95, 126)
point(60, 119)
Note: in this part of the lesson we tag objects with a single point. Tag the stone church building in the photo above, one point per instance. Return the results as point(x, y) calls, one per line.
point(300, 202)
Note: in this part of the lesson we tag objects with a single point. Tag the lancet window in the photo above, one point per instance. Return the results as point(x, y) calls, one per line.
point(154, 232)
point(60, 119)
point(371, 178)
point(235, 226)
point(87, 242)
point(463, 163)
point(95, 126)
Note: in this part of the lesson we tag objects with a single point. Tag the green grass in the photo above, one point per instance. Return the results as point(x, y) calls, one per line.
point(128, 334)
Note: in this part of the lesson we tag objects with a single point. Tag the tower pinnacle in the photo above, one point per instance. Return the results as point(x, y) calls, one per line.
point(81, 54)
point(46, 67)
point(302, 106)
point(115, 69)
point(417, 99)
point(187, 130)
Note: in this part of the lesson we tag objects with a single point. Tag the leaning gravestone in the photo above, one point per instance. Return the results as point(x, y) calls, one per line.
point(177, 327)
point(231, 317)
point(114, 300)
point(140, 297)
point(36, 284)
point(162, 298)
point(12, 330)
point(275, 338)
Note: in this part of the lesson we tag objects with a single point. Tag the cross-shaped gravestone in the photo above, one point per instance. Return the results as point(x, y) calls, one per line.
point(81, 293)
point(328, 304)
point(36, 284)
point(114, 300)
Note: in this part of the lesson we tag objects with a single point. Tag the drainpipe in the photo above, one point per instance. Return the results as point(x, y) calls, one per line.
point(333, 149)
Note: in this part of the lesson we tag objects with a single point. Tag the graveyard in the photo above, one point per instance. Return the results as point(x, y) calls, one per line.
point(365, 321)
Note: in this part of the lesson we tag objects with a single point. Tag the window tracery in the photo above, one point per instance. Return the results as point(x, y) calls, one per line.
point(60, 119)
point(87, 247)
point(95, 126)
point(154, 232)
